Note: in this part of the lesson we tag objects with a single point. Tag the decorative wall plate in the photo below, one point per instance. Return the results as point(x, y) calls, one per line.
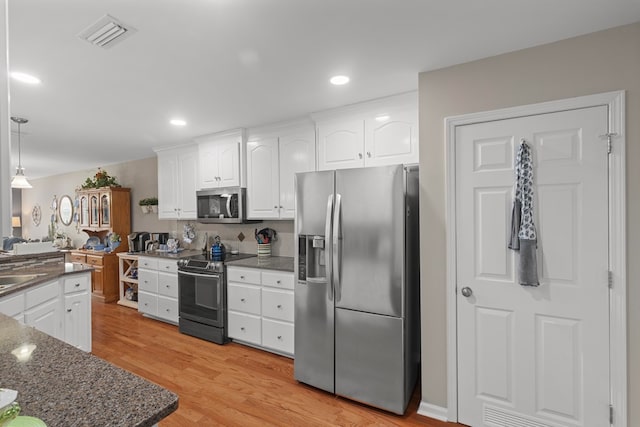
point(36, 214)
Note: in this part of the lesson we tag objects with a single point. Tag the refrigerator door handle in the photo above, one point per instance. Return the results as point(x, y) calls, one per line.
point(336, 247)
point(327, 247)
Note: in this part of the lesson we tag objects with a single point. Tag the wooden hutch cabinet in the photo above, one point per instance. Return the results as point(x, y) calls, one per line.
point(103, 211)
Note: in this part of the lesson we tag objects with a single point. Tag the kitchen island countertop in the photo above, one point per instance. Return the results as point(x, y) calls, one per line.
point(281, 263)
point(65, 386)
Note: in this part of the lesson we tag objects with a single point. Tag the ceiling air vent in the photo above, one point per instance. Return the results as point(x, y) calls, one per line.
point(106, 32)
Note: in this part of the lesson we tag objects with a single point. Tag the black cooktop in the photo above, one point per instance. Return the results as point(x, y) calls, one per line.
point(206, 263)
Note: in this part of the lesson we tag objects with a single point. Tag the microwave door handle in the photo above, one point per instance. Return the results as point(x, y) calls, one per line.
point(327, 247)
point(336, 247)
point(229, 206)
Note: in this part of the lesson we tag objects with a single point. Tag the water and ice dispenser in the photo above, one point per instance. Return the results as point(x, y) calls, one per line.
point(311, 258)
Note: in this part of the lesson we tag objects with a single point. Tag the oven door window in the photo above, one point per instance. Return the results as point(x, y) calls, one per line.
point(201, 298)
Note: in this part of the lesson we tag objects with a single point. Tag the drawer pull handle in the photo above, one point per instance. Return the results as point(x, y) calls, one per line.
point(280, 337)
point(68, 310)
point(242, 277)
point(77, 285)
point(278, 282)
point(242, 299)
point(242, 328)
point(167, 286)
point(279, 306)
point(168, 310)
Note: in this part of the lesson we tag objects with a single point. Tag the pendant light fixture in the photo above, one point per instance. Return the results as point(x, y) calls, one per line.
point(19, 180)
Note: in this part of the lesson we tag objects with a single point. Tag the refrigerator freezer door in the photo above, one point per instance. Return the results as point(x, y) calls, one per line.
point(370, 359)
point(312, 192)
point(314, 336)
point(370, 266)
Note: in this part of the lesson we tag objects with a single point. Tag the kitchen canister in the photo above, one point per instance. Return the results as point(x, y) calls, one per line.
point(264, 249)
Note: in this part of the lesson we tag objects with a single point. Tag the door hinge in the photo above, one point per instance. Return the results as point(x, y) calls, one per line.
point(611, 414)
point(610, 279)
point(608, 136)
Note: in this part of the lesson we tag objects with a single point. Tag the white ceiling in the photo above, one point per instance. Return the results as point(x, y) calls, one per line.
point(223, 64)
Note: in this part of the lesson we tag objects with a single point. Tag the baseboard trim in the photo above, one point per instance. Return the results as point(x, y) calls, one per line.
point(432, 411)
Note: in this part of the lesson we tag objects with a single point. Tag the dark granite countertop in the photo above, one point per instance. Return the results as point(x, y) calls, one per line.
point(65, 386)
point(182, 254)
point(281, 263)
point(44, 272)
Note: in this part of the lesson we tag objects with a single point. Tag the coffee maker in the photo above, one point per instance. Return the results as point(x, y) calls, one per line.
point(138, 241)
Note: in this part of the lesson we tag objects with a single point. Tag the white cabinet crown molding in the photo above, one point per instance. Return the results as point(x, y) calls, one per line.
point(385, 105)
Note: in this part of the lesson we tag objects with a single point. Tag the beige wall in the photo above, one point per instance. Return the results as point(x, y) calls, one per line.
point(595, 63)
point(142, 177)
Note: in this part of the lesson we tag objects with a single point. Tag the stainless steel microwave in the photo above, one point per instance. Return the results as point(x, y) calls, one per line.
point(222, 205)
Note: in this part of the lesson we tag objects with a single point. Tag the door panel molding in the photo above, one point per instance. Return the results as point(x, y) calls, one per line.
point(615, 103)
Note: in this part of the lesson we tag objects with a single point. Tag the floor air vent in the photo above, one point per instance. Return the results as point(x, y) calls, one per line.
point(497, 417)
point(106, 32)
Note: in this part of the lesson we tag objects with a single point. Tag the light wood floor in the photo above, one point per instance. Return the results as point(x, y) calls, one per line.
point(230, 385)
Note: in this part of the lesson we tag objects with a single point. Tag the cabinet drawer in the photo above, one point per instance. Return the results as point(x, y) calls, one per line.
point(168, 309)
point(77, 283)
point(277, 280)
point(245, 298)
point(46, 292)
point(148, 281)
point(148, 263)
point(78, 258)
point(244, 327)
point(168, 266)
point(278, 335)
point(168, 284)
point(243, 275)
point(147, 303)
point(13, 305)
point(94, 260)
point(277, 304)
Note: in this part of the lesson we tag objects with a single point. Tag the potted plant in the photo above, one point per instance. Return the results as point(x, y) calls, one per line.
point(149, 205)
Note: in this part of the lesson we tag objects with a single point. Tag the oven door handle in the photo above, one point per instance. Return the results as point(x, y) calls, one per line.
point(188, 273)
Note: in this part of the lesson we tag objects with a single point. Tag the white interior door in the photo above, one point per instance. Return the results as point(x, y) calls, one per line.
point(534, 356)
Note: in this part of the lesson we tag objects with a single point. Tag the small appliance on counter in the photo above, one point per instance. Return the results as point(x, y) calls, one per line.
point(138, 241)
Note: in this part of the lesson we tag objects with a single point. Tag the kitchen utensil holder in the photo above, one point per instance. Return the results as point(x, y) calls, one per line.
point(264, 249)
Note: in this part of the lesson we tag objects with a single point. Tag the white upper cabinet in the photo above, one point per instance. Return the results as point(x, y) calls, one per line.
point(341, 144)
point(177, 179)
point(381, 132)
point(272, 162)
point(219, 157)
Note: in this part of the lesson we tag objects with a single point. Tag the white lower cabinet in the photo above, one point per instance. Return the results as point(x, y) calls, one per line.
point(260, 308)
point(60, 308)
point(77, 311)
point(158, 288)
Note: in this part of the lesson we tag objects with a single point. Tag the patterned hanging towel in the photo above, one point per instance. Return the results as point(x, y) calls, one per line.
point(523, 231)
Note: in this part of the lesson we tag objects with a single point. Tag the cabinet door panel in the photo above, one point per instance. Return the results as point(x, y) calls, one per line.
point(168, 284)
point(244, 327)
point(245, 298)
point(262, 179)
point(77, 328)
point(340, 145)
point(277, 304)
point(147, 303)
point(45, 318)
point(168, 309)
point(278, 336)
point(148, 280)
point(229, 164)
point(297, 154)
point(393, 141)
point(167, 185)
point(208, 170)
point(188, 168)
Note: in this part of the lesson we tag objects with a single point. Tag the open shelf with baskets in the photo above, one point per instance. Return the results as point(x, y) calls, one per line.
point(128, 280)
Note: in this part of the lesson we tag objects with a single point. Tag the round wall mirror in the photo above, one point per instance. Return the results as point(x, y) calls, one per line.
point(65, 209)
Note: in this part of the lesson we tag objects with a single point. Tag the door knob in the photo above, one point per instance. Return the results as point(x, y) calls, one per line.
point(467, 292)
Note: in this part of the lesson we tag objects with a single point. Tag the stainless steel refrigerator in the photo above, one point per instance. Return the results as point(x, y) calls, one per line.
point(357, 319)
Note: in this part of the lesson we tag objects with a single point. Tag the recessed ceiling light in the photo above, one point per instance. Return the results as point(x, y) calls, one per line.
point(178, 122)
point(339, 80)
point(25, 78)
